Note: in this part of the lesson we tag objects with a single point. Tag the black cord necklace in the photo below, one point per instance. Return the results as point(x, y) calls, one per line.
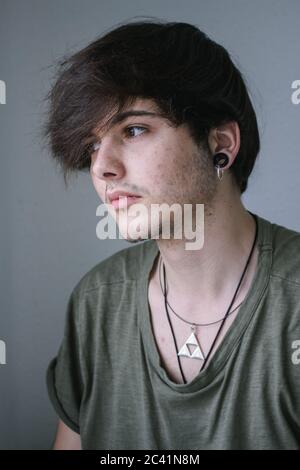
point(191, 323)
point(198, 354)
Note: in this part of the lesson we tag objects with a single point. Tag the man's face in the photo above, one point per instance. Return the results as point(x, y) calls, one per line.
point(147, 156)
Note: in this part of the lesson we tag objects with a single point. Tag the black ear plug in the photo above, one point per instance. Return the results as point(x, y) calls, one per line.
point(220, 159)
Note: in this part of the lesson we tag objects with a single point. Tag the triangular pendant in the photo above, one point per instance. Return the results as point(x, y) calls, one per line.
point(184, 351)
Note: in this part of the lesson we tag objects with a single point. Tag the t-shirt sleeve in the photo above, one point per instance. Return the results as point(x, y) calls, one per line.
point(64, 373)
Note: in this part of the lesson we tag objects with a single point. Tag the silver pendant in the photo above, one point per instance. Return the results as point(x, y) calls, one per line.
point(220, 173)
point(184, 351)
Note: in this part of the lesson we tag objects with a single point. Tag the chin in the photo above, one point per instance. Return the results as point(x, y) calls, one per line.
point(137, 231)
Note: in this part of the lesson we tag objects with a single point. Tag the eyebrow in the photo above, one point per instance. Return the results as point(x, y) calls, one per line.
point(124, 115)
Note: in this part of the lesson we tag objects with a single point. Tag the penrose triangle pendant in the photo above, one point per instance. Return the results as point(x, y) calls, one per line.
point(192, 340)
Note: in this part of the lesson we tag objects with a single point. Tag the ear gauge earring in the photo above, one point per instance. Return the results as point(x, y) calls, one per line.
point(220, 161)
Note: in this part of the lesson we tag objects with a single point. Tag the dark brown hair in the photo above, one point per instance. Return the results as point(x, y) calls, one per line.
point(191, 79)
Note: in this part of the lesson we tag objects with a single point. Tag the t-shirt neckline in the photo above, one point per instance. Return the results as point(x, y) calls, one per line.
point(239, 325)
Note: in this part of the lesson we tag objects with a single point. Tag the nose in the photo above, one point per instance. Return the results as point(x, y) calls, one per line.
point(106, 162)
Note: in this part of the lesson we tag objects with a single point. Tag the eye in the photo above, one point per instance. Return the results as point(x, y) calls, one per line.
point(95, 146)
point(130, 128)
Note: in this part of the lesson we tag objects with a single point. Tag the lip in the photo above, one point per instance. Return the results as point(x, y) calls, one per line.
point(122, 199)
point(124, 202)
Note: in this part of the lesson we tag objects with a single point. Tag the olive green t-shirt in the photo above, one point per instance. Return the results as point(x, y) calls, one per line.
point(107, 382)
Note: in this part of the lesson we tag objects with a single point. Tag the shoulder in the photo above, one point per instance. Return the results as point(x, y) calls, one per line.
point(286, 253)
point(125, 265)
point(108, 290)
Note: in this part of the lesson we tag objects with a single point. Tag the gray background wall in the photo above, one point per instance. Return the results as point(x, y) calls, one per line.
point(48, 234)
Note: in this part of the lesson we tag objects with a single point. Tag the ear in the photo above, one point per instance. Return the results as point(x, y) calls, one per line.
point(225, 138)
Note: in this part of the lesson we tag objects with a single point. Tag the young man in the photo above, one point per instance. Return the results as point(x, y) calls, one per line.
point(164, 347)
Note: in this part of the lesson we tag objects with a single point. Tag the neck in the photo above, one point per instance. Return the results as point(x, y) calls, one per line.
point(207, 279)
